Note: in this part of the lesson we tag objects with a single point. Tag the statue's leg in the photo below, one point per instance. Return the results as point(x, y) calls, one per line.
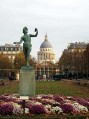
point(25, 54)
point(28, 56)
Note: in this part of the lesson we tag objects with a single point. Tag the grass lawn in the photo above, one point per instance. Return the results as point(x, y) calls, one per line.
point(66, 88)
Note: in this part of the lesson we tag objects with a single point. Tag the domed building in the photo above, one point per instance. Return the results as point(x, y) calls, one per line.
point(46, 67)
point(46, 52)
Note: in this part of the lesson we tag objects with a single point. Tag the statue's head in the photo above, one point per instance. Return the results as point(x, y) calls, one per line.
point(25, 29)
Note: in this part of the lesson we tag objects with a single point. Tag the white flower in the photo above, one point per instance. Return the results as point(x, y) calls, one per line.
point(57, 103)
point(69, 97)
point(48, 106)
point(82, 108)
point(16, 105)
point(76, 104)
point(52, 101)
point(57, 109)
point(39, 97)
point(17, 109)
point(26, 111)
point(38, 103)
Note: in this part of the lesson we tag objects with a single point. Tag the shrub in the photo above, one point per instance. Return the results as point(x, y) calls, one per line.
point(6, 109)
point(67, 108)
point(37, 109)
point(58, 98)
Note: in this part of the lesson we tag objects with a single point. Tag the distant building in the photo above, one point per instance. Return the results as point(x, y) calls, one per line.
point(10, 50)
point(72, 59)
point(78, 46)
point(46, 67)
point(46, 52)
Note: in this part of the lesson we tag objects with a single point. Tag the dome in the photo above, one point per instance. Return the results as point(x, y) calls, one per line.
point(46, 43)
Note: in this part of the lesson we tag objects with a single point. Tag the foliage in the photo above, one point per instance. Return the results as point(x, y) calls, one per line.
point(5, 62)
point(76, 62)
point(71, 61)
point(20, 61)
point(32, 62)
point(86, 59)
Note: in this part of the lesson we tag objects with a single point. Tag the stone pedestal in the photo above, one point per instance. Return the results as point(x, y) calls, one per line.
point(27, 81)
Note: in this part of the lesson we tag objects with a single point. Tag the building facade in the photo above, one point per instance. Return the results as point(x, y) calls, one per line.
point(78, 46)
point(46, 52)
point(10, 50)
point(46, 67)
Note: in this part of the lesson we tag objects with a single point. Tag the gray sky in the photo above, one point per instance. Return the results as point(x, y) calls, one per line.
point(64, 21)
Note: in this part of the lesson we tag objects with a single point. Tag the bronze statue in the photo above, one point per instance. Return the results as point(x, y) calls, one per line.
point(27, 43)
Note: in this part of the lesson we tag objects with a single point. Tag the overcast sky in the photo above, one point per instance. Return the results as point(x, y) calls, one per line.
point(64, 21)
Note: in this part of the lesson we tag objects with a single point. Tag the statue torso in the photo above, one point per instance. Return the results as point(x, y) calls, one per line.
point(27, 40)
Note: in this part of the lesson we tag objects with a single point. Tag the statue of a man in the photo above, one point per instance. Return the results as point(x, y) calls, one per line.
point(27, 43)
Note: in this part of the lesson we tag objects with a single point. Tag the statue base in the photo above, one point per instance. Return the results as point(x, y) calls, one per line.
point(27, 81)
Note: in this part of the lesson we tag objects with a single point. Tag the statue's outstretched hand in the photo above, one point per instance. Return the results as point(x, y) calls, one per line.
point(36, 29)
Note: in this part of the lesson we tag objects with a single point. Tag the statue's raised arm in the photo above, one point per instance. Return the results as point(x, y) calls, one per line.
point(36, 30)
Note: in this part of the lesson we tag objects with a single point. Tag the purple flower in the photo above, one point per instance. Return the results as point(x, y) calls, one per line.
point(87, 99)
point(2, 97)
point(37, 109)
point(20, 102)
point(28, 105)
point(83, 102)
point(6, 109)
point(67, 108)
point(58, 98)
point(47, 96)
point(44, 102)
point(9, 99)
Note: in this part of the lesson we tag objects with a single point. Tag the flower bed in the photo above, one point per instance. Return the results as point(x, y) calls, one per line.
point(44, 105)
